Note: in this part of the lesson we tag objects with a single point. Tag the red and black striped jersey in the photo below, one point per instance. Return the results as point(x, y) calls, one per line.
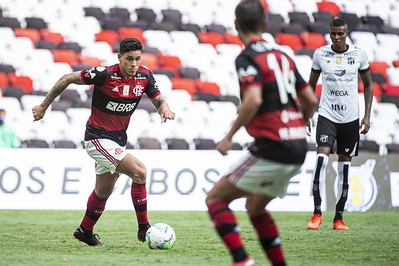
point(278, 127)
point(115, 99)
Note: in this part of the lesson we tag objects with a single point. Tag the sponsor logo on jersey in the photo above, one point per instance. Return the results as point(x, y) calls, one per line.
point(339, 73)
point(138, 90)
point(328, 54)
point(323, 138)
point(115, 76)
point(339, 93)
point(339, 107)
point(120, 107)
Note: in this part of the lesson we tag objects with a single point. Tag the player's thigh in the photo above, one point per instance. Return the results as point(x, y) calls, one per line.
point(326, 132)
point(348, 139)
point(224, 191)
point(133, 168)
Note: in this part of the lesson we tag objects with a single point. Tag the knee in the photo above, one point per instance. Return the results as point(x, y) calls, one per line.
point(139, 174)
point(253, 210)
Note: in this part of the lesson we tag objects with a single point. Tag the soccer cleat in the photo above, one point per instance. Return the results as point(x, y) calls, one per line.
point(248, 262)
point(315, 222)
point(340, 225)
point(87, 237)
point(142, 231)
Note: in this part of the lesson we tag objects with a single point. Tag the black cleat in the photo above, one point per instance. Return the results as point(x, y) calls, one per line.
point(142, 231)
point(87, 237)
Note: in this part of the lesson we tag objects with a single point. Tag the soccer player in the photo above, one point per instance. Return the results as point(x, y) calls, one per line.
point(117, 92)
point(338, 119)
point(270, 85)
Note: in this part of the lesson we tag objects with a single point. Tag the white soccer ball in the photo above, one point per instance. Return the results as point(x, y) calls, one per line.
point(160, 236)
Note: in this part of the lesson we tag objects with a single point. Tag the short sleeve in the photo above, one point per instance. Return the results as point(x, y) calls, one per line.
point(364, 62)
point(152, 89)
point(248, 72)
point(316, 60)
point(94, 75)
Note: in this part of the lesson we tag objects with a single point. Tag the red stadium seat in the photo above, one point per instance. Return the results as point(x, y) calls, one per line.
point(312, 40)
point(32, 34)
point(391, 90)
point(289, 39)
point(4, 82)
point(213, 38)
point(186, 84)
point(23, 82)
point(318, 90)
point(379, 67)
point(66, 56)
point(376, 89)
point(170, 62)
point(232, 39)
point(126, 32)
point(89, 60)
point(208, 87)
point(328, 6)
point(109, 36)
point(149, 60)
point(50, 36)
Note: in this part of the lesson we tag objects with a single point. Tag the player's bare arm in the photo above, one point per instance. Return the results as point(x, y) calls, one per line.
point(309, 104)
point(39, 110)
point(163, 108)
point(368, 99)
point(252, 100)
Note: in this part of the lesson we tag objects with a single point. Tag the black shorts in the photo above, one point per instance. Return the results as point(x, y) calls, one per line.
point(346, 135)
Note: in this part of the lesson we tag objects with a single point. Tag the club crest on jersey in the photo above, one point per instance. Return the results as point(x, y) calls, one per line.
point(351, 60)
point(338, 60)
point(323, 138)
point(138, 90)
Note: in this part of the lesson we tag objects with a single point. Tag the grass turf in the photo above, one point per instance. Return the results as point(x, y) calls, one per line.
point(30, 237)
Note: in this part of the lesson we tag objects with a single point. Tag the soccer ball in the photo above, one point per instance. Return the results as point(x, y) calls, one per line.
point(160, 236)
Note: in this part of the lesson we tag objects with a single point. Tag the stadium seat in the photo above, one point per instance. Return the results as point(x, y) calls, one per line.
point(204, 144)
point(120, 12)
point(312, 40)
point(301, 18)
point(149, 144)
point(109, 36)
point(150, 60)
point(177, 144)
point(111, 23)
point(293, 28)
point(6, 68)
point(324, 16)
point(4, 82)
point(66, 56)
point(10, 22)
point(35, 23)
point(64, 144)
point(189, 72)
point(50, 36)
point(11, 105)
point(392, 148)
point(126, 32)
point(369, 146)
point(45, 45)
point(25, 82)
point(96, 12)
point(208, 87)
point(328, 6)
point(319, 27)
point(172, 16)
point(36, 143)
point(351, 19)
point(61, 105)
point(377, 67)
point(232, 38)
point(213, 38)
point(170, 62)
point(289, 39)
point(192, 27)
point(16, 92)
point(282, 7)
point(146, 14)
point(32, 34)
point(186, 84)
point(89, 60)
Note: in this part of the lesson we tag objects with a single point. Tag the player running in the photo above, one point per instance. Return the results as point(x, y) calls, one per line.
point(117, 92)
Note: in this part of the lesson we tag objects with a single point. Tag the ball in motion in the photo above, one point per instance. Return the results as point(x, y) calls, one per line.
point(160, 236)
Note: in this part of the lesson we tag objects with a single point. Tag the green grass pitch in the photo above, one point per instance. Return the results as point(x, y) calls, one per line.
point(30, 237)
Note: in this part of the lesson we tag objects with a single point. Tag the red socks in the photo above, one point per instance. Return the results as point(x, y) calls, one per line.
point(95, 207)
point(139, 199)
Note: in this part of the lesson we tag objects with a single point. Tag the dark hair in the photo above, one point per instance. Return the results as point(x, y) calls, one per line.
point(250, 16)
point(338, 22)
point(130, 44)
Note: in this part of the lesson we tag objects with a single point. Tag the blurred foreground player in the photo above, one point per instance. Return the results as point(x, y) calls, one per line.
point(269, 84)
point(117, 92)
point(338, 120)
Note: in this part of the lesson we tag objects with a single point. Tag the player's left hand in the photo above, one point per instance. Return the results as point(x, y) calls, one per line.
point(365, 126)
point(167, 114)
point(308, 127)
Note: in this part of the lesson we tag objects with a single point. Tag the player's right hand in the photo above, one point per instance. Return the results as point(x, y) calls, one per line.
point(38, 112)
point(224, 145)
